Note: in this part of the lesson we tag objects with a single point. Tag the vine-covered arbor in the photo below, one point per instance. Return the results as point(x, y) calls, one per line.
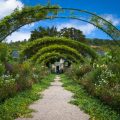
point(28, 15)
point(26, 67)
point(47, 57)
point(38, 50)
point(41, 48)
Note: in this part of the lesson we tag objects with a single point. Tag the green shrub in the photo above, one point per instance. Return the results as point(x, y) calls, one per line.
point(78, 71)
point(3, 52)
point(2, 69)
point(22, 74)
point(101, 80)
point(23, 77)
point(18, 105)
point(94, 107)
point(7, 88)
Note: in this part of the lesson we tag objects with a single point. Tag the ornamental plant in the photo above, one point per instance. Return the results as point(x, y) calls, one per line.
point(7, 87)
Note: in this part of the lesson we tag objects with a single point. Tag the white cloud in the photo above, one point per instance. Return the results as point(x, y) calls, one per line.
point(21, 34)
point(115, 21)
point(7, 7)
point(85, 28)
point(18, 36)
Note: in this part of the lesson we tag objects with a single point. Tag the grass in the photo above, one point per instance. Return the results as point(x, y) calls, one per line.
point(18, 106)
point(95, 108)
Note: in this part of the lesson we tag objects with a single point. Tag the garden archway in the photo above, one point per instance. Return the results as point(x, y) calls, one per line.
point(61, 49)
point(33, 14)
point(34, 46)
point(51, 55)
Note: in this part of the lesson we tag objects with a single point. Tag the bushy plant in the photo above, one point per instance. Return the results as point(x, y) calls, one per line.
point(22, 74)
point(25, 76)
point(94, 107)
point(3, 52)
point(2, 69)
point(102, 79)
point(18, 106)
point(7, 87)
point(43, 72)
point(77, 71)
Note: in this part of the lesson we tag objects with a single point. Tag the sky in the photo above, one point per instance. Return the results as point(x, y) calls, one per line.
point(109, 9)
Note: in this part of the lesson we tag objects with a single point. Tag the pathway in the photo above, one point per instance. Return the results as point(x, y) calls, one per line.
point(54, 105)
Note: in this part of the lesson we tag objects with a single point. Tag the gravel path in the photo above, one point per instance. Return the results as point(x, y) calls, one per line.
point(54, 105)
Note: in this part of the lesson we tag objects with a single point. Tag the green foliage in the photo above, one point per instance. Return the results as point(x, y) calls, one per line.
point(105, 26)
point(60, 49)
point(72, 33)
point(29, 14)
point(102, 80)
point(77, 71)
point(40, 32)
point(19, 80)
point(22, 78)
point(22, 17)
point(95, 108)
point(32, 47)
point(18, 106)
point(102, 42)
point(40, 72)
point(22, 73)
point(7, 87)
point(2, 69)
point(26, 74)
point(3, 52)
point(47, 56)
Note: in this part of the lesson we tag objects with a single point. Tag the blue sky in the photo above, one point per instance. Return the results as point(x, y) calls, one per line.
point(110, 9)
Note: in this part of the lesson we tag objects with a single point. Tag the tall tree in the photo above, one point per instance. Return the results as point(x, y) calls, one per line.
point(72, 33)
point(42, 32)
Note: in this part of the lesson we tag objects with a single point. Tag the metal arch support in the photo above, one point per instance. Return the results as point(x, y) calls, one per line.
point(71, 13)
point(55, 54)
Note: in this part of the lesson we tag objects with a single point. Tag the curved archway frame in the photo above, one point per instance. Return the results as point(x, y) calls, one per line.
point(61, 49)
point(48, 55)
point(49, 59)
point(34, 46)
point(9, 25)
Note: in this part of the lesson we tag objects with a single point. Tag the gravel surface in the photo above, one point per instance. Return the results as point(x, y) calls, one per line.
point(54, 105)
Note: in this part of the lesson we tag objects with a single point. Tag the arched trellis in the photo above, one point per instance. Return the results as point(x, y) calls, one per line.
point(52, 58)
point(32, 47)
point(12, 23)
point(91, 18)
point(19, 18)
point(61, 49)
point(48, 55)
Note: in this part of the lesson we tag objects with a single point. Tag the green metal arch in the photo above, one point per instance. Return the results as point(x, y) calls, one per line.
point(61, 49)
point(8, 24)
point(48, 55)
point(42, 42)
point(52, 58)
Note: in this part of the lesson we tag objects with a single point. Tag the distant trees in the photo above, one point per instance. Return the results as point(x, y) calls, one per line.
point(99, 42)
point(72, 33)
point(42, 32)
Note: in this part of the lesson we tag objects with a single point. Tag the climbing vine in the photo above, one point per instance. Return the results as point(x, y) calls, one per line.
point(60, 49)
point(19, 18)
point(32, 47)
point(28, 15)
point(47, 56)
